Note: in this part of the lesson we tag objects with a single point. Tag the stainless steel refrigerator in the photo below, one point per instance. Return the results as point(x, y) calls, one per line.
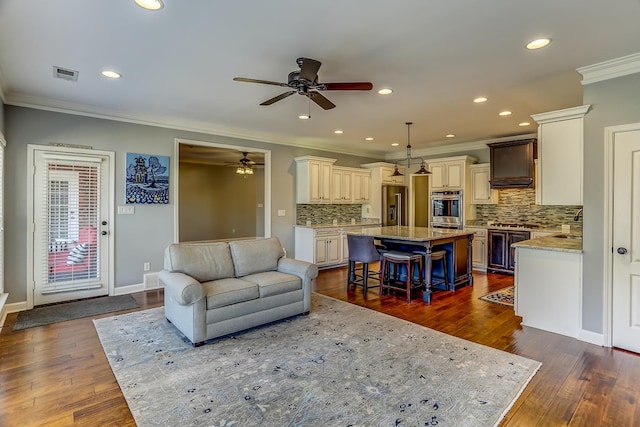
point(394, 205)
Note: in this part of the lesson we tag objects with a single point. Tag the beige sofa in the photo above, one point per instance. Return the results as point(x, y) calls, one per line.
point(214, 289)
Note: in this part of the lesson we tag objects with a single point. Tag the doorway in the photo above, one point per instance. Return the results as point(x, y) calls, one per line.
point(70, 207)
point(623, 236)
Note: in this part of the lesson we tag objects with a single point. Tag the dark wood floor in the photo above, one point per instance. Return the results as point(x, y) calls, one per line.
point(58, 375)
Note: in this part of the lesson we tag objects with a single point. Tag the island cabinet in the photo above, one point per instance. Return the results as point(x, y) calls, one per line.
point(500, 254)
point(313, 179)
point(560, 155)
point(481, 192)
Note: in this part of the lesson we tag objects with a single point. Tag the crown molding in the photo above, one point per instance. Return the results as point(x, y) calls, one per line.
point(611, 69)
point(462, 147)
point(566, 114)
point(47, 104)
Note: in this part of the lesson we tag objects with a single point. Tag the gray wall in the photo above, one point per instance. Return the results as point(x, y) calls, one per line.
point(141, 237)
point(613, 102)
point(2, 107)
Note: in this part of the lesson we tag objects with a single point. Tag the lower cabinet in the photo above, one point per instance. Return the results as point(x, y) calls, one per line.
point(325, 247)
point(500, 254)
point(479, 249)
point(328, 249)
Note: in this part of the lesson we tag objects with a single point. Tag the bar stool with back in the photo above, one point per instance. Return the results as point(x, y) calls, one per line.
point(362, 252)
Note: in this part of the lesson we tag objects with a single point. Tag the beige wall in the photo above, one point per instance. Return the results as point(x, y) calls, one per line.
point(216, 203)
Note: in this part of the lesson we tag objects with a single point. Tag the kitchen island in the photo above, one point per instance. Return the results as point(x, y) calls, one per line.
point(457, 244)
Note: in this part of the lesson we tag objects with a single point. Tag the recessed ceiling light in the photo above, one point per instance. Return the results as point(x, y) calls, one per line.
point(538, 44)
point(304, 117)
point(150, 4)
point(111, 74)
point(385, 91)
point(450, 135)
point(395, 144)
point(369, 138)
point(339, 131)
point(480, 100)
point(524, 124)
point(504, 113)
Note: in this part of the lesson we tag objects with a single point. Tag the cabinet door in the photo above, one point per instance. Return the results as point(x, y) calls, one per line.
point(315, 182)
point(479, 251)
point(336, 186)
point(321, 250)
point(333, 249)
point(455, 175)
point(438, 176)
point(345, 248)
point(365, 195)
point(497, 250)
point(325, 182)
point(481, 192)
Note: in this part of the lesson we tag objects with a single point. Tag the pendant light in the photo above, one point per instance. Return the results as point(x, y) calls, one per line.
point(423, 165)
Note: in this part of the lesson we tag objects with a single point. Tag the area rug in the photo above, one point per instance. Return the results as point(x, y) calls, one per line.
point(340, 365)
point(502, 296)
point(55, 313)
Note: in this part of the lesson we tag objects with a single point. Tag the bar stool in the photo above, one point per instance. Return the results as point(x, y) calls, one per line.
point(439, 257)
point(410, 261)
point(362, 251)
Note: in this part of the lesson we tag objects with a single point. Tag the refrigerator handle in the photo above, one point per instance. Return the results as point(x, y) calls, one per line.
point(398, 197)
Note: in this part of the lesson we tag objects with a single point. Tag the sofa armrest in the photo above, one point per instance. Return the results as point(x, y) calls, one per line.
point(304, 270)
point(185, 289)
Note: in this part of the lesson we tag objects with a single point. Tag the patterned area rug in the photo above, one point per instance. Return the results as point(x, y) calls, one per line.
point(340, 365)
point(502, 296)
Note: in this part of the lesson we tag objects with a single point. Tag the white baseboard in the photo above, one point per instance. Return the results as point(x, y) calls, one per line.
point(3, 313)
point(591, 337)
point(150, 282)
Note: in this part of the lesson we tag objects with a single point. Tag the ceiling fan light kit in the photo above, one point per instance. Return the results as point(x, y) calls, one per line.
point(245, 165)
point(305, 82)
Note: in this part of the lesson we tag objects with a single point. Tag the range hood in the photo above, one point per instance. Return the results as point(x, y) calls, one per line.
point(512, 163)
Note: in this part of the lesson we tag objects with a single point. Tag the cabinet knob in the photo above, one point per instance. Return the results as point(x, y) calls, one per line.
point(622, 251)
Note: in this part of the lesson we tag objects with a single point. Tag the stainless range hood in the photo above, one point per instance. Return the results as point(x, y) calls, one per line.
point(512, 163)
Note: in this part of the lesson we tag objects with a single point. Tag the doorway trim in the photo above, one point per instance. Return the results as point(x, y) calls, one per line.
point(609, 140)
point(31, 148)
point(176, 180)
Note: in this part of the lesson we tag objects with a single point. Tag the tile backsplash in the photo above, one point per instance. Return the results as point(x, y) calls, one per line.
point(518, 205)
point(325, 214)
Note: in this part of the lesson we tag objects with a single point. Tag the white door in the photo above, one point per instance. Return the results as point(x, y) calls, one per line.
point(626, 241)
point(71, 219)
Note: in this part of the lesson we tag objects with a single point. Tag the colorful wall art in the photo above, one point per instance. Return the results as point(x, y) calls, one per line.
point(147, 179)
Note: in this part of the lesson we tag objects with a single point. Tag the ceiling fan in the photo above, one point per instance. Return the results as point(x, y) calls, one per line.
point(305, 82)
point(244, 165)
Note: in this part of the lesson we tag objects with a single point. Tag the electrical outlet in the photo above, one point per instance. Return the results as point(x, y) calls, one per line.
point(147, 266)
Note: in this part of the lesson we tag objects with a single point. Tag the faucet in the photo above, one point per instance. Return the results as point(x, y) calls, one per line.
point(576, 217)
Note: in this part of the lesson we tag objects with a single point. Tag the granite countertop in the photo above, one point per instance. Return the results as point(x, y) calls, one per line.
point(416, 234)
point(340, 225)
point(558, 242)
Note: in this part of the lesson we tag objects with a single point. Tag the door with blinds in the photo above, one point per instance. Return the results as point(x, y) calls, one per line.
point(71, 222)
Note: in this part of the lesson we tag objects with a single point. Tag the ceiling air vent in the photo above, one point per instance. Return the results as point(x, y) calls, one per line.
point(65, 74)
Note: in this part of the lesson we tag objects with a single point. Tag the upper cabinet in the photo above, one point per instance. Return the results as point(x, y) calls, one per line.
point(361, 186)
point(341, 185)
point(560, 148)
point(313, 179)
point(449, 174)
point(481, 191)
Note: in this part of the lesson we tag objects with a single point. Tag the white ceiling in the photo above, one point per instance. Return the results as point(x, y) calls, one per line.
point(177, 64)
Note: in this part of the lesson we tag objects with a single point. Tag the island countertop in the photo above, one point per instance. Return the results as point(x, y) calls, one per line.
point(558, 242)
point(415, 234)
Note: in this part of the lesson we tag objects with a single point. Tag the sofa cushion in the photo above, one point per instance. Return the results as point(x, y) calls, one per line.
point(274, 282)
point(220, 293)
point(255, 256)
point(202, 261)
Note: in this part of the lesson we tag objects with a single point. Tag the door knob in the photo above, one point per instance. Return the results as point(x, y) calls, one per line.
point(104, 222)
point(104, 233)
point(622, 251)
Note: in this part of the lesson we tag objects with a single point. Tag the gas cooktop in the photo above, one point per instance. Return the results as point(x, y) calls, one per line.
point(513, 225)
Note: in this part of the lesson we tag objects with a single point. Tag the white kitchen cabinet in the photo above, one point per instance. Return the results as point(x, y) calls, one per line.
point(447, 175)
point(361, 186)
point(313, 179)
point(378, 174)
point(341, 185)
point(479, 248)
point(388, 178)
point(481, 192)
point(560, 155)
point(326, 246)
point(328, 249)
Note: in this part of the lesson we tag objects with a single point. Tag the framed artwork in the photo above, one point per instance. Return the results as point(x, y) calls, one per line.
point(147, 179)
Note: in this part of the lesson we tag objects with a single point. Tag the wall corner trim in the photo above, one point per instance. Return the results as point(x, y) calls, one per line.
point(611, 69)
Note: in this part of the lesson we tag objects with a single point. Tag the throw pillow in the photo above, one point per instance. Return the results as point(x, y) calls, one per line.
point(78, 254)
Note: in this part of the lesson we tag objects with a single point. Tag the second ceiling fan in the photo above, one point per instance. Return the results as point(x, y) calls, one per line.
point(305, 82)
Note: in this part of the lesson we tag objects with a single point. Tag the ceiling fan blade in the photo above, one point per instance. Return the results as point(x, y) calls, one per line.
point(264, 82)
point(309, 69)
point(321, 100)
point(278, 98)
point(347, 86)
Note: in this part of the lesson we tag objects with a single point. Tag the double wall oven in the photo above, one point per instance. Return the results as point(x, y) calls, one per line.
point(447, 209)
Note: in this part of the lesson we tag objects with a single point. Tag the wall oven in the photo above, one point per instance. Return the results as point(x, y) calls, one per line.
point(446, 209)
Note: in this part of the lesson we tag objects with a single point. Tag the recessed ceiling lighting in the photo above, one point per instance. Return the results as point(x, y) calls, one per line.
point(395, 144)
point(480, 100)
point(538, 44)
point(524, 124)
point(304, 117)
point(369, 138)
point(385, 91)
point(111, 74)
point(450, 135)
point(150, 4)
point(339, 131)
point(504, 113)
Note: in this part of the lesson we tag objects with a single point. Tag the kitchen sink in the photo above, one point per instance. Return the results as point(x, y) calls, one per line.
point(568, 236)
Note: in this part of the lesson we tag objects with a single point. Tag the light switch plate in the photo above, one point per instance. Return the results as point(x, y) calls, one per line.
point(282, 212)
point(126, 210)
